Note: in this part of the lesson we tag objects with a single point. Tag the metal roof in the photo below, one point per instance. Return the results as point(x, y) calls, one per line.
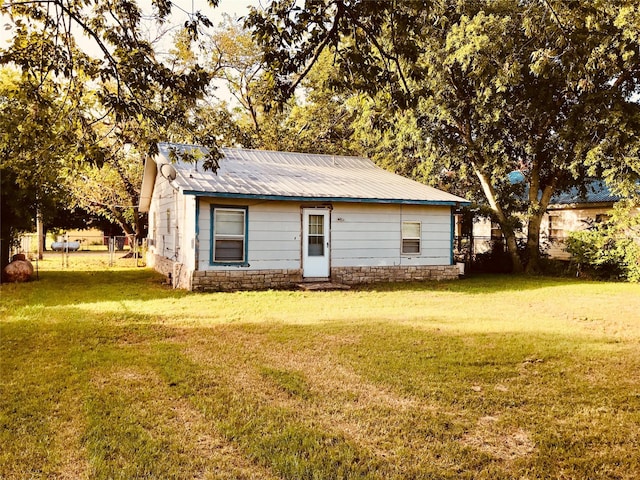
point(596, 191)
point(274, 175)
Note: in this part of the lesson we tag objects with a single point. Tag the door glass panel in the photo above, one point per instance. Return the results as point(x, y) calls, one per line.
point(316, 236)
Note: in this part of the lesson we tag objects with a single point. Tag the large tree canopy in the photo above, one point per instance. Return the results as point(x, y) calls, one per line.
point(105, 45)
point(545, 87)
point(90, 80)
point(39, 137)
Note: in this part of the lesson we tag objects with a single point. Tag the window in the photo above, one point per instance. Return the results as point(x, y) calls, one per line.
point(316, 235)
point(496, 231)
point(556, 232)
point(229, 235)
point(168, 221)
point(410, 237)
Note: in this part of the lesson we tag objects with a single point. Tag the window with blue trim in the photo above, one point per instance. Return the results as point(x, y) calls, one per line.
point(229, 235)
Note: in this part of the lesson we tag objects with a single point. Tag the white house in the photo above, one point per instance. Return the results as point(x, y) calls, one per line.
point(273, 219)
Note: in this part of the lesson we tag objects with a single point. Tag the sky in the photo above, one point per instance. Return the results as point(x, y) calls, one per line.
point(234, 8)
point(180, 13)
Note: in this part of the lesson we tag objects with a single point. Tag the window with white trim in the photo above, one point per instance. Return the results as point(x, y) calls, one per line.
point(496, 231)
point(229, 235)
point(556, 227)
point(411, 238)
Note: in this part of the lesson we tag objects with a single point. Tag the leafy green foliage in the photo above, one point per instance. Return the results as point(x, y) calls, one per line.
point(609, 249)
point(89, 81)
point(41, 132)
point(111, 190)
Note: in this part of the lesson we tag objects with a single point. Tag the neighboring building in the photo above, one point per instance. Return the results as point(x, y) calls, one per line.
point(574, 211)
point(274, 219)
point(567, 212)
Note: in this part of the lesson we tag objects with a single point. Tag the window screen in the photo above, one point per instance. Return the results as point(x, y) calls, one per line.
point(410, 237)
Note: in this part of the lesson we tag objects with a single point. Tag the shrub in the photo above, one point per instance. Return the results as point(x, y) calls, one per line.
point(606, 250)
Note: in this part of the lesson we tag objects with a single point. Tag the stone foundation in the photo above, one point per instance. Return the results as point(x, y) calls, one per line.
point(418, 273)
point(217, 280)
point(231, 280)
point(237, 279)
point(175, 272)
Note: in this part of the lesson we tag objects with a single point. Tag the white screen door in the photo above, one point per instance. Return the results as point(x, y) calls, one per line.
point(315, 243)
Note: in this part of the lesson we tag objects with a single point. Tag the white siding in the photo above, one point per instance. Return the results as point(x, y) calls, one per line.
point(361, 234)
point(370, 235)
point(567, 221)
point(172, 224)
point(187, 232)
point(273, 234)
point(162, 236)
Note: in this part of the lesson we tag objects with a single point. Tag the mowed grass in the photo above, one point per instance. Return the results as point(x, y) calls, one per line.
point(107, 373)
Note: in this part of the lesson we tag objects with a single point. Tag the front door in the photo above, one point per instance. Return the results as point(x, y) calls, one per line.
point(315, 243)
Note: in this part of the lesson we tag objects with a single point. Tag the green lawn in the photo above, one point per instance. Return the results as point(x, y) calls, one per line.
point(107, 373)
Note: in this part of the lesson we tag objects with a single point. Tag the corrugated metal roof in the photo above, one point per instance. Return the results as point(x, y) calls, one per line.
point(247, 173)
point(596, 192)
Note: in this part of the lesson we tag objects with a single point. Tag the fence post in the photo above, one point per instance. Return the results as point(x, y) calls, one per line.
point(112, 248)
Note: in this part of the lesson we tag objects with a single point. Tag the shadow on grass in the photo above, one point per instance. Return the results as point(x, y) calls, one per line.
point(474, 284)
point(69, 287)
point(260, 388)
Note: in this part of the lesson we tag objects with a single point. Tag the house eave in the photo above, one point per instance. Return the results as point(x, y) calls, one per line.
point(148, 183)
point(304, 198)
point(578, 205)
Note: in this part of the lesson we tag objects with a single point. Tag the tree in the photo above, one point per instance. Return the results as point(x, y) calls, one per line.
point(543, 87)
point(38, 132)
point(321, 121)
point(609, 249)
point(135, 94)
point(237, 60)
point(112, 190)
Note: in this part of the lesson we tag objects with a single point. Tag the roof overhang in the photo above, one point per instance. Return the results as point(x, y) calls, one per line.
point(148, 183)
point(248, 196)
point(580, 206)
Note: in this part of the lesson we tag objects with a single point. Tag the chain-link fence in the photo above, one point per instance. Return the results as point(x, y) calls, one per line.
point(114, 246)
point(28, 244)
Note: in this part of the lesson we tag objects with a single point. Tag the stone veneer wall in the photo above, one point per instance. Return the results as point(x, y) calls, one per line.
point(418, 273)
point(180, 278)
point(230, 280)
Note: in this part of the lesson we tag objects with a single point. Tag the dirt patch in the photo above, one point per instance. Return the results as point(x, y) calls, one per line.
point(508, 444)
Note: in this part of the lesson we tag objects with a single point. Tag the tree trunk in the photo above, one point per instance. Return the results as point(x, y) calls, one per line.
point(5, 247)
point(537, 211)
point(512, 249)
point(505, 224)
point(533, 243)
